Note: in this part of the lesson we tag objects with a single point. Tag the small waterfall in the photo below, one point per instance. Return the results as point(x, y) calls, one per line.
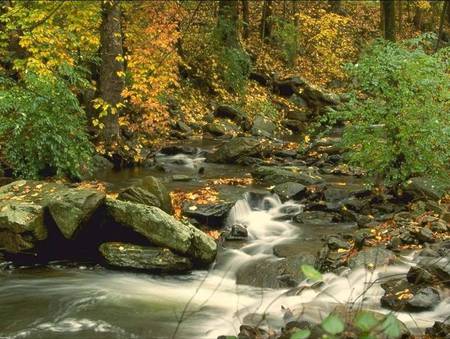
point(180, 162)
point(99, 304)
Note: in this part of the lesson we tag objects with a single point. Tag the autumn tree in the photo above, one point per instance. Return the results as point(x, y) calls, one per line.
point(111, 81)
point(388, 15)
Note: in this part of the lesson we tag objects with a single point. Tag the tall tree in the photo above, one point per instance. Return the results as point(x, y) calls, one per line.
point(227, 23)
point(111, 71)
point(388, 8)
point(245, 19)
point(266, 20)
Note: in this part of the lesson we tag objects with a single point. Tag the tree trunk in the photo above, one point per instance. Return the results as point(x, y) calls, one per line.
point(227, 23)
point(111, 81)
point(441, 24)
point(266, 20)
point(389, 19)
point(294, 12)
point(245, 19)
point(418, 18)
point(335, 6)
point(448, 13)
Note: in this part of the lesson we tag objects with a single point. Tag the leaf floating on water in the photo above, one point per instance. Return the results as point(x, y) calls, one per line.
point(193, 208)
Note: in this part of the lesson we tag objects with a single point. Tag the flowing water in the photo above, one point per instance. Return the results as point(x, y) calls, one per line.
point(95, 303)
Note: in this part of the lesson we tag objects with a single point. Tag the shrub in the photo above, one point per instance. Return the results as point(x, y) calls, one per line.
point(399, 112)
point(286, 36)
point(42, 127)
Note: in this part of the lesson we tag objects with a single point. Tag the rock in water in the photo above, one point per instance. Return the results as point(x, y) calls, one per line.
point(290, 190)
point(278, 175)
point(236, 148)
point(156, 187)
point(372, 257)
point(161, 229)
point(21, 226)
point(139, 196)
point(213, 215)
point(143, 258)
point(73, 207)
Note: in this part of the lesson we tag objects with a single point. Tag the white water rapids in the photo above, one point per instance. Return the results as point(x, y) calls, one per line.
point(74, 303)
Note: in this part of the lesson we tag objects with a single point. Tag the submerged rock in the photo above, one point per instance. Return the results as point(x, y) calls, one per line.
point(316, 217)
point(213, 215)
point(400, 295)
point(161, 229)
point(236, 232)
point(372, 257)
point(153, 259)
point(273, 273)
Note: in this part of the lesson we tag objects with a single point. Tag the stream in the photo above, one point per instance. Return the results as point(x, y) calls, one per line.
point(57, 301)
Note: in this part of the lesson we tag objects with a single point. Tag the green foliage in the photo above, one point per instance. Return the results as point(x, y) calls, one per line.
point(366, 325)
point(399, 112)
point(42, 126)
point(333, 324)
point(285, 35)
point(301, 334)
point(236, 67)
point(264, 108)
point(365, 321)
point(234, 62)
point(311, 273)
point(391, 326)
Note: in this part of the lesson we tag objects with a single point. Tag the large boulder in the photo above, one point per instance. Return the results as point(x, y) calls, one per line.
point(139, 196)
point(280, 174)
point(161, 229)
point(21, 226)
point(71, 208)
point(290, 190)
point(288, 86)
point(136, 257)
point(318, 98)
point(236, 148)
point(221, 127)
point(427, 187)
point(263, 127)
point(230, 112)
point(156, 187)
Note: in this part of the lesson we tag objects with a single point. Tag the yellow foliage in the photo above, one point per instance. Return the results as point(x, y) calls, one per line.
point(152, 61)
